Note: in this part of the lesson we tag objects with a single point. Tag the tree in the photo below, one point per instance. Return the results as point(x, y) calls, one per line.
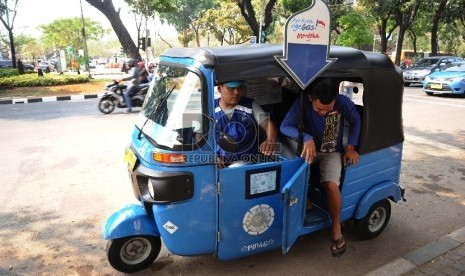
point(355, 31)
point(185, 19)
point(248, 11)
point(61, 33)
point(404, 15)
point(145, 9)
point(108, 9)
point(226, 24)
point(444, 13)
point(7, 17)
point(27, 47)
point(383, 13)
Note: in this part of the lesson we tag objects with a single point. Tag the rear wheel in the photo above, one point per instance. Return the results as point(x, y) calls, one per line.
point(375, 221)
point(134, 253)
point(106, 105)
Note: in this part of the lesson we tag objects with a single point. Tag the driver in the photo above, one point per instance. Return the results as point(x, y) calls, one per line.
point(239, 117)
point(138, 77)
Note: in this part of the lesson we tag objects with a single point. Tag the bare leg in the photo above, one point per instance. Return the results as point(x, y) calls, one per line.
point(333, 196)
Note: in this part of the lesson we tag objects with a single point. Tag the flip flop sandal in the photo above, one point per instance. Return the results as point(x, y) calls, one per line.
point(338, 247)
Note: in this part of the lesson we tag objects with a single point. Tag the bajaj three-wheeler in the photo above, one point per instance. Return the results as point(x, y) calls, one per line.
point(195, 208)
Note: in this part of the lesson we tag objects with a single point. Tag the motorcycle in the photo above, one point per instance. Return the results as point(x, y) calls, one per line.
point(113, 97)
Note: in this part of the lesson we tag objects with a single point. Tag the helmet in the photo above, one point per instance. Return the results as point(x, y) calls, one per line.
point(141, 64)
point(131, 62)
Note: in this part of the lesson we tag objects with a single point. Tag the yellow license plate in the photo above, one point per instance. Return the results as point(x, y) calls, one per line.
point(436, 85)
point(130, 158)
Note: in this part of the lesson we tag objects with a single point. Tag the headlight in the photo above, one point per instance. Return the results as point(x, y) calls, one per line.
point(458, 79)
point(427, 78)
point(424, 72)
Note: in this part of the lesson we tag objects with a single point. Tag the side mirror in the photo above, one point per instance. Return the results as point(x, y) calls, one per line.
point(227, 143)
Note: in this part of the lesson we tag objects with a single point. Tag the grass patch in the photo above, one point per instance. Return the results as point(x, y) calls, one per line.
point(90, 87)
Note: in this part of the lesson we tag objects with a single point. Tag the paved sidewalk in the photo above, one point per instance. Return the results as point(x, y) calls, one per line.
point(446, 256)
point(48, 99)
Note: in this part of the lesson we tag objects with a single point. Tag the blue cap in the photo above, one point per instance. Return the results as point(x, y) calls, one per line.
point(233, 84)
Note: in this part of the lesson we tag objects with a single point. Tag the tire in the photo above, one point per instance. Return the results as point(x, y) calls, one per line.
point(375, 221)
point(134, 253)
point(106, 105)
point(406, 83)
point(429, 93)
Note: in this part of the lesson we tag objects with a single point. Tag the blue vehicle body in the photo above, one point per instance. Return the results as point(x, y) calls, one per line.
point(239, 211)
point(451, 80)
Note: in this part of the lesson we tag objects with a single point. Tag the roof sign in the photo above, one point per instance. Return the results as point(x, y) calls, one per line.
point(306, 43)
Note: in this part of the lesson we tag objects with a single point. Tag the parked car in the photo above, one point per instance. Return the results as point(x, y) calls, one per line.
point(92, 64)
point(44, 64)
point(102, 61)
point(451, 80)
point(6, 64)
point(28, 67)
point(423, 67)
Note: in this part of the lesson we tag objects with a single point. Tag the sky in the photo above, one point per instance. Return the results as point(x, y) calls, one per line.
point(33, 13)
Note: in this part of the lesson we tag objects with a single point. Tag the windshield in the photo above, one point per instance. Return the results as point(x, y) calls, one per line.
point(426, 62)
point(173, 107)
point(456, 68)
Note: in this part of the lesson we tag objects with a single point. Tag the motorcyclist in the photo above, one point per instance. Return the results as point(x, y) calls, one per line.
point(137, 77)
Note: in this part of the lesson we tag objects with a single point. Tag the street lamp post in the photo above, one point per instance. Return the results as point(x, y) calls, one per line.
point(86, 54)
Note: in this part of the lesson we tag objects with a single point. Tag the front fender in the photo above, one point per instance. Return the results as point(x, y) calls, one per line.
point(379, 192)
point(129, 221)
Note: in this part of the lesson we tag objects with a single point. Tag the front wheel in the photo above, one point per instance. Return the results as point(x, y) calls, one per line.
point(106, 105)
point(429, 93)
point(375, 221)
point(134, 253)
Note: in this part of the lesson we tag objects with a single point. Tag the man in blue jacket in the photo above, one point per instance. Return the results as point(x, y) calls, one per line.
point(241, 118)
point(323, 116)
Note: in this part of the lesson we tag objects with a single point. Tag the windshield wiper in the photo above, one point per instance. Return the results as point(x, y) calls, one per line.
point(156, 109)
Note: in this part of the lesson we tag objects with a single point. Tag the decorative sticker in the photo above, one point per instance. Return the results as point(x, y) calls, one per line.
point(258, 219)
point(170, 227)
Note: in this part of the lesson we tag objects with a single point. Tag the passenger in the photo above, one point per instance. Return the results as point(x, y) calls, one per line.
point(323, 117)
point(239, 117)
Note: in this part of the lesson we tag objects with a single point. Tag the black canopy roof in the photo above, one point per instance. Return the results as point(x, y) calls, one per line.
point(382, 81)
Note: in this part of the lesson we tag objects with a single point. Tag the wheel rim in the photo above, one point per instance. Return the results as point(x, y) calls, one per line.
point(135, 251)
point(106, 106)
point(377, 218)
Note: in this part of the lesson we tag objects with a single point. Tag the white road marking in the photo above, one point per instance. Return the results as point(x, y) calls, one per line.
point(437, 100)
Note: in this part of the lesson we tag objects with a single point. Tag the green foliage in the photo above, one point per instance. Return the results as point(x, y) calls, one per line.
point(34, 80)
point(68, 32)
point(148, 8)
point(8, 73)
point(293, 6)
point(356, 32)
point(185, 17)
point(225, 23)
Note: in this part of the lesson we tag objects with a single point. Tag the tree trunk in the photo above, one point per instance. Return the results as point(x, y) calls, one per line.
point(435, 26)
point(107, 8)
point(248, 13)
point(12, 47)
point(400, 41)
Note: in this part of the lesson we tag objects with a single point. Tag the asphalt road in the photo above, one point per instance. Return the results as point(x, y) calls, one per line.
point(62, 174)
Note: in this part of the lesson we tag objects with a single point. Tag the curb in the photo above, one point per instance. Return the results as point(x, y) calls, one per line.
point(49, 99)
point(422, 255)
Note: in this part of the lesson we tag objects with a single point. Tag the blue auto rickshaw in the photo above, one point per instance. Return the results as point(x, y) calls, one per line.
point(197, 209)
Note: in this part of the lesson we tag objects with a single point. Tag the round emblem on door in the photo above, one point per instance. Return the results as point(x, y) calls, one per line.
point(258, 219)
